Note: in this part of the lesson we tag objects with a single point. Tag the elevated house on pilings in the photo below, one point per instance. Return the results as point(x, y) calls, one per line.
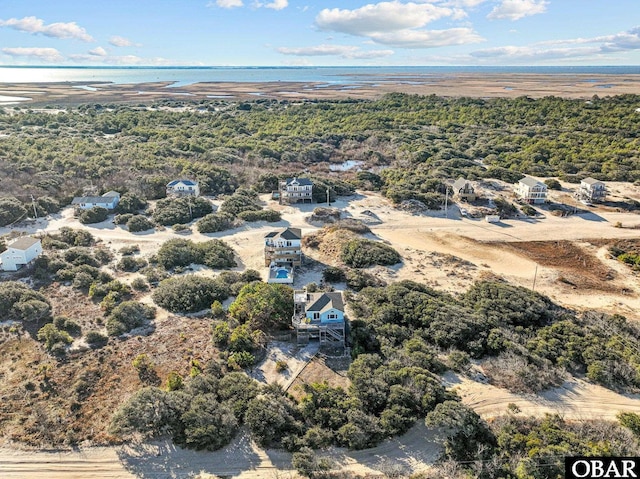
point(319, 316)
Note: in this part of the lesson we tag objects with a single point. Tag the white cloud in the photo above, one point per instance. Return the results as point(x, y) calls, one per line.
point(573, 48)
point(344, 51)
point(428, 38)
point(380, 17)
point(274, 5)
point(98, 52)
point(399, 24)
point(44, 54)
point(226, 3)
point(517, 9)
point(118, 41)
point(57, 30)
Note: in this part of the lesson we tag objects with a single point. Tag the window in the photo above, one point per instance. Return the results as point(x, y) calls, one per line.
point(316, 315)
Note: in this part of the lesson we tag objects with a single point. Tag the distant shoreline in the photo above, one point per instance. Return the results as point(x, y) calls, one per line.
point(485, 85)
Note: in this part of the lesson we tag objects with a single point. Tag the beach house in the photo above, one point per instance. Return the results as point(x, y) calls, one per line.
point(282, 252)
point(20, 253)
point(319, 316)
point(183, 188)
point(592, 190)
point(531, 190)
point(109, 201)
point(463, 190)
point(296, 190)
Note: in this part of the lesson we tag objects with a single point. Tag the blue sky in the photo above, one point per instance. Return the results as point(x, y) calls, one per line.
point(336, 32)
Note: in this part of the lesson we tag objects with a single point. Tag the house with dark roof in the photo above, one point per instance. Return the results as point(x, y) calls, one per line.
point(283, 247)
point(296, 190)
point(319, 315)
point(109, 201)
point(531, 190)
point(592, 190)
point(20, 253)
point(183, 188)
point(463, 190)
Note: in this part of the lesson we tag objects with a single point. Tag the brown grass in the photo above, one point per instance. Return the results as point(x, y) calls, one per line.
point(578, 267)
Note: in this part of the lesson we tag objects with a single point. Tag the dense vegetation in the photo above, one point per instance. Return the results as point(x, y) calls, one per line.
point(180, 252)
point(423, 139)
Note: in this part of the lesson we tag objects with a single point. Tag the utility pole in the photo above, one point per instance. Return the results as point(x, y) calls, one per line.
point(189, 203)
point(446, 203)
point(33, 203)
point(535, 275)
point(328, 202)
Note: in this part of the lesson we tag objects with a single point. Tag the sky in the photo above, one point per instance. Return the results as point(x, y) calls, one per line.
point(319, 33)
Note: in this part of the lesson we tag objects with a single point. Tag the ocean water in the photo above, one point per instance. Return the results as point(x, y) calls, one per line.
point(330, 75)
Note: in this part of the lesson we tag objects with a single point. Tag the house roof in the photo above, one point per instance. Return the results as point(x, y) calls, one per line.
point(592, 181)
point(322, 302)
point(527, 180)
point(459, 184)
point(300, 181)
point(91, 199)
point(288, 234)
point(111, 194)
point(24, 243)
point(184, 182)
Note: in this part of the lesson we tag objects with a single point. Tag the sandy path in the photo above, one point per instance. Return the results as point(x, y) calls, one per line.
point(575, 399)
point(242, 459)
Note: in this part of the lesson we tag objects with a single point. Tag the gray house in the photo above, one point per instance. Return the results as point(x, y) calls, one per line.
point(592, 190)
point(296, 190)
point(463, 190)
point(109, 201)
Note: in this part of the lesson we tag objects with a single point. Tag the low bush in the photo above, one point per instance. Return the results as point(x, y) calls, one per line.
point(361, 253)
point(96, 339)
point(127, 316)
point(189, 294)
point(182, 252)
point(270, 216)
point(130, 264)
point(139, 223)
point(171, 211)
point(96, 214)
point(214, 222)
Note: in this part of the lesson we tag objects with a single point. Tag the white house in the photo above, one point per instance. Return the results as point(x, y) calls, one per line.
point(20, 253)
point(296, 190)
point(531, 190)
point(283, 247)
point(183, 188)
point(109, 201)
point(592, 190)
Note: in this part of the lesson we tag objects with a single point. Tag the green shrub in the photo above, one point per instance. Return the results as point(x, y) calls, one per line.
point(270, 216)
point(241, 200)
point(97, 214)
point(171, 211)
point(130, 264)
point(263, 306)
point(182, 252)
point(52, 337)
point(11, 210)
point(333, 274)
point(129, 315)
point(189, 294)
point(139, 223)
point(214, 222)
point(129, 250)
point(96, 339)
point(361, 253)
point(140, 284)
point(18, 301)
point(553, 184)
point(208, 424)
point(528, 210)
point(130, 203)
point(174, 382)
point(122, 219)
